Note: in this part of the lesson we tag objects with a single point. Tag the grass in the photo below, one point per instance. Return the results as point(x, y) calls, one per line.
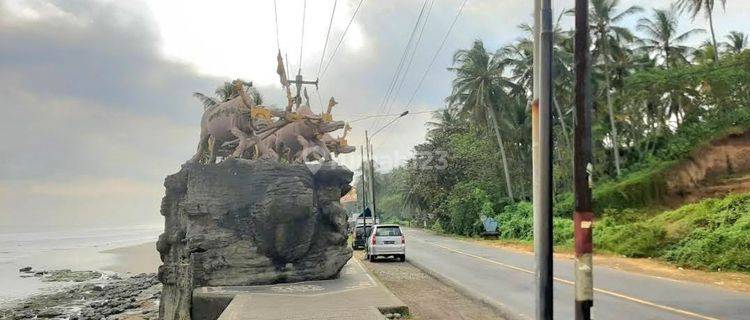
point(713, 234)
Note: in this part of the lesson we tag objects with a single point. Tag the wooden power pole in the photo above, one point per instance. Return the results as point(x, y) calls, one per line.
point(583, 216)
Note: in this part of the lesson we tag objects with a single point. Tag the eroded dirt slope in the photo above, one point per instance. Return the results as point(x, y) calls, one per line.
point(721, 168)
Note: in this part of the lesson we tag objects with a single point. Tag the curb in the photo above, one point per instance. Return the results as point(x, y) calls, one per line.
point(499, 307)
point(400, 307)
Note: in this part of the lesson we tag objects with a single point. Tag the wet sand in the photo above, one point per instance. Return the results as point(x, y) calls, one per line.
point(141, 258)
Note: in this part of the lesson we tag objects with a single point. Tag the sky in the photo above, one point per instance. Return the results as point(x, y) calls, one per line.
point(96, 95)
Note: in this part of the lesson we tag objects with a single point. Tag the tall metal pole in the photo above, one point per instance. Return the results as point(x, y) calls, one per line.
point(542, 162)
point(371, 174)
point(372, 184)
point(583, 216)
point(364, 192)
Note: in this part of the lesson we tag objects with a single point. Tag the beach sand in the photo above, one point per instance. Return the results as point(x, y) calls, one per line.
point(141, 258)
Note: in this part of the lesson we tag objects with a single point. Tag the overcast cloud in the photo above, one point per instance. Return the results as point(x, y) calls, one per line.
point(96, 95)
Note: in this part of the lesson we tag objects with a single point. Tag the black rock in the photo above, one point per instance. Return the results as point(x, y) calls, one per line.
point(25, 269)
point(49, 313)
point(221, 216)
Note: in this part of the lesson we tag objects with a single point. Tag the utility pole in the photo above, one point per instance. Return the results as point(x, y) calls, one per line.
point(542, 157)
point(583, 217)
point(298, 82)
point(372, 185)
point(371, 174)
point(364, 193)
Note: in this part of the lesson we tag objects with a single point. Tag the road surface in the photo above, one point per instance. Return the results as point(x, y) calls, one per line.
point(506, 278)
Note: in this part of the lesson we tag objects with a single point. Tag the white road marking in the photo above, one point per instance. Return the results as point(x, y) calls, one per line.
point(607, 292)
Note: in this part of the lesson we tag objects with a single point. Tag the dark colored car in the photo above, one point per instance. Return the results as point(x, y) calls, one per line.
point(360, 236)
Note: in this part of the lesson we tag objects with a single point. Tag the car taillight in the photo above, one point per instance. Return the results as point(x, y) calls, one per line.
point(403, 240)
point(373, 240)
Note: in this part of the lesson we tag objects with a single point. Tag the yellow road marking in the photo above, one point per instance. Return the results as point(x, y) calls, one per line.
point(607, 292)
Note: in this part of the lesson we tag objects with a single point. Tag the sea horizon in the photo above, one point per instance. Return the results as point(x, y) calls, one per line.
point(58, 247)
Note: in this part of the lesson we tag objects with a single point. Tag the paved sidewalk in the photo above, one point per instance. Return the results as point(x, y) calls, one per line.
point(354, 295)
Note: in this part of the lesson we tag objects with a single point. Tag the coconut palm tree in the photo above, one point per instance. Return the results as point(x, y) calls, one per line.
point(444, 121)
point(519, 57)
point(707, 6)
point(478, 87)
point(736, 42)
point(226, 92)
point(662, 37)
point(705, 53)
point(606, 35)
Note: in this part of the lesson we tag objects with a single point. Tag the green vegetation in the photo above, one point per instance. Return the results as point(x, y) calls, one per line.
point(713, 234)
point(655, 101)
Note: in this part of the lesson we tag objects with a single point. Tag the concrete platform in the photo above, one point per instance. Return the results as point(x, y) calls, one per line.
point(354, 295)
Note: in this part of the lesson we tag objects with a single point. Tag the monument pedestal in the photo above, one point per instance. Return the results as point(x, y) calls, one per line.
point(250, 222)
point(353, 295)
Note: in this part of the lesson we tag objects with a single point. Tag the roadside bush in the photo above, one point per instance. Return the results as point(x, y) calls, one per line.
point(562, 234)
point(726, 248)
point(712, 234)
point(465, 204)
point(517, 222)
point(564, 205)
point(437, 227)
point(638, 239)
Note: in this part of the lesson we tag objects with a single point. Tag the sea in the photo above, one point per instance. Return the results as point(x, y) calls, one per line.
point(54, 248)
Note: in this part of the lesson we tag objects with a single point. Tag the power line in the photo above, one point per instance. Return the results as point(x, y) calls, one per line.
point(400, 85)
point(336, 49)
point(397, 74)
point(328, 34)
point(302, 38)
point(389, 123)
point(361, 117)
point(276, 19)
point(434, 57)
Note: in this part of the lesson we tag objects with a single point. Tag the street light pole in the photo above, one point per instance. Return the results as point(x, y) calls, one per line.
point(583, 216)
point(542, 158)
point(371, 160)
point(364, 194)
point(372, 184)
point(370, 177)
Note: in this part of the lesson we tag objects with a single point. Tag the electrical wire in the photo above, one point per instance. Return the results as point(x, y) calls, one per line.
point(397, 73)
point(361, 118)
point(336, 49)
point(302, 37)
point(325, 44)
point(276, 19)
point(434, 57)
point(400, 85)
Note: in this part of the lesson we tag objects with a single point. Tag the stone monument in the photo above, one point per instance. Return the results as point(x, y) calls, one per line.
point(268, 213)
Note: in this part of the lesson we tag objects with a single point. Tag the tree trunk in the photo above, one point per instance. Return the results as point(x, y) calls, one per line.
point(713, 35)
point(615, 142)
point(562, 121)
point(502, 153)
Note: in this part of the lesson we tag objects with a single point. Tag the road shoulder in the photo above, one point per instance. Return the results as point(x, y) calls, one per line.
point(426, 296)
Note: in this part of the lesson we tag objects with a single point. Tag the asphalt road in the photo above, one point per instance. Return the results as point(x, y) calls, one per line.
point(506, 278)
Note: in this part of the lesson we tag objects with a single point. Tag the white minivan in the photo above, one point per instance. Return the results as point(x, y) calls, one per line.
point(386, 240)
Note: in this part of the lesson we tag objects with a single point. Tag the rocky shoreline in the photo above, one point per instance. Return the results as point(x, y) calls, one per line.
point(93, 296)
